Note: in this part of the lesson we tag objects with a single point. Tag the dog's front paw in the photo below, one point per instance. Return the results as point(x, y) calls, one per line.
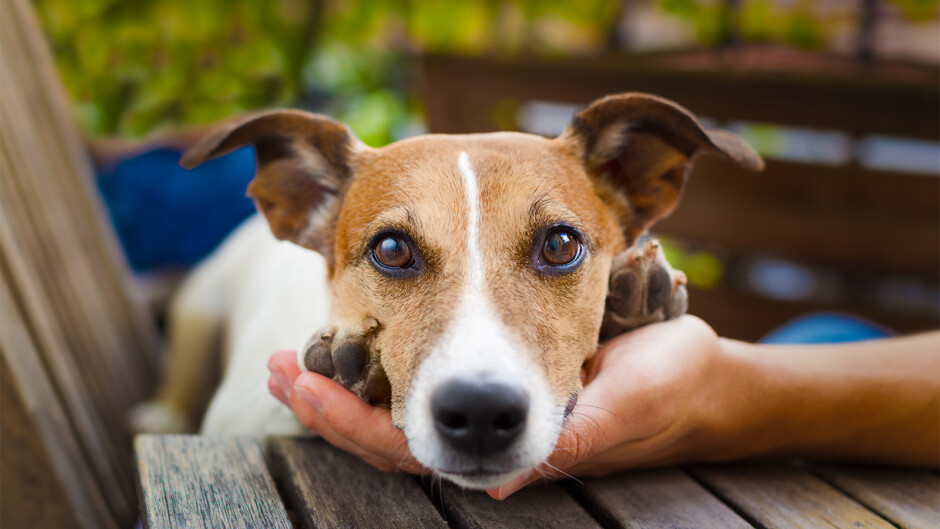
point(643, 289)
point(348, 357)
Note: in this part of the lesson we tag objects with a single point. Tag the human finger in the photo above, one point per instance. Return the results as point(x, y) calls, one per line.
point(348, 420)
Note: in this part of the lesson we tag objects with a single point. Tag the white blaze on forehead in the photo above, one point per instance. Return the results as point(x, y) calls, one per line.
point(477, 344)
point(475, 315)
point(472, 191)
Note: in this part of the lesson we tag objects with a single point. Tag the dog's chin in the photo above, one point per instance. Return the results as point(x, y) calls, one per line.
point(483, 480)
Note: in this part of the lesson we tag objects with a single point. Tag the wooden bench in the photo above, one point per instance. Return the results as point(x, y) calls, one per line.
point(198, 481)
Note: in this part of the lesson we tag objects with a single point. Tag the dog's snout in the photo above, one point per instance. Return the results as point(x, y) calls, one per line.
point(479, 418)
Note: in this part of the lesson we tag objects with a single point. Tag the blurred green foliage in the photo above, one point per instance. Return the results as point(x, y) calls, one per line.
point(134, 67)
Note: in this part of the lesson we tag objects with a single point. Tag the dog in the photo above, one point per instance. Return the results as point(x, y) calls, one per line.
point(460, 280)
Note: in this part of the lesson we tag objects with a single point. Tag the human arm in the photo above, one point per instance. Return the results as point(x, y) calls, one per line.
point(674, 392)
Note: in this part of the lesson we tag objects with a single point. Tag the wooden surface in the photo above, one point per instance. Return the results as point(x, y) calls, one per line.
point(188, 481)
point(906, 498)
point(780, 496)
point(75, 343)
point(339, 490)
point(655, 499)
point(321, 487)
point(537, 507)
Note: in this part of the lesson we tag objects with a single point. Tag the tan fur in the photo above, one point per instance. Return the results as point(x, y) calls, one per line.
point(526, 182)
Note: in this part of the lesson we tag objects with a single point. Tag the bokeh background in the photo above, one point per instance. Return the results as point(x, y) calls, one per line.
point(838, 95)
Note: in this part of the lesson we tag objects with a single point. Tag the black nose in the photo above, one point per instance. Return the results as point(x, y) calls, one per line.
point(479, 418)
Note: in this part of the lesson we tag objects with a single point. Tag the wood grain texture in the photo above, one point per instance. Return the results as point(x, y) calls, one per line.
point(85, 350)
point(654, 499)
point(326, 487)
point(194, 481)
point(41, 425)
point(785, 497)
point(908, 498)
point(539, 506)
point(27, 477)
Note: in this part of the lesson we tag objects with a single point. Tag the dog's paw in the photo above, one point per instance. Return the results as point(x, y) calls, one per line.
point(348, 357)
point(643, 289)
point(158, 417)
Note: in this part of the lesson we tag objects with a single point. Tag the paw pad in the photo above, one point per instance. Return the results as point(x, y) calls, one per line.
point(643, 289)
point(348, 357)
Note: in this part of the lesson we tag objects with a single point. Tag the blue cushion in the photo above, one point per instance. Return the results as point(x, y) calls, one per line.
point(167, 216)
point(826, 328)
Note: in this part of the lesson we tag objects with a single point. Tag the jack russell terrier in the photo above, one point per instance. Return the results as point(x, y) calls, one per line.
point(463, 279)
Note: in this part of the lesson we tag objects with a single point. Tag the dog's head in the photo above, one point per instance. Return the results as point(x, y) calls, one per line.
point(484, 258)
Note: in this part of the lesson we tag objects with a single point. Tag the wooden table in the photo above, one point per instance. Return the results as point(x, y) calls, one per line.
point(194, 481)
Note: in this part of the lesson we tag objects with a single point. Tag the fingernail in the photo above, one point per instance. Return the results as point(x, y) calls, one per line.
point(513, 486)
point(310, 397)
point(281, 379)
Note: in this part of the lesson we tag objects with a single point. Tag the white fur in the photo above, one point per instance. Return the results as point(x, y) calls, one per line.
point(478, 346)
point(276, 296)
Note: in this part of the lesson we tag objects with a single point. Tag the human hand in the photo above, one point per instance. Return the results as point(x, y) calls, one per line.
point(644, 403)
point(340, 417)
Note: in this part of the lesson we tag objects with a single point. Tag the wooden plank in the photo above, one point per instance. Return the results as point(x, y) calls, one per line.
point(326, 487)
point(777, 495)
point(55, 186)
point(27, 477)
point(653, 499)
point(192, 481)
point(41, 459)
point(56, 297)
point(539, 506)
point(132, 320)
point(909, 498)
point(91, 346)
point(52, 365)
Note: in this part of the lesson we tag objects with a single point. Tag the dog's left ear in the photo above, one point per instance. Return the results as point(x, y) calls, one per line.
point(304, 164)
point(640, 148)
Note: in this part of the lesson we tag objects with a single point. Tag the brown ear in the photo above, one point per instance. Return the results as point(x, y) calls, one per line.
point(641, 148)
point(303, 165)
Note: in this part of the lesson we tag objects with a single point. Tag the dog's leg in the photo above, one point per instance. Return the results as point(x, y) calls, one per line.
point(191, 362)
point(643, 289)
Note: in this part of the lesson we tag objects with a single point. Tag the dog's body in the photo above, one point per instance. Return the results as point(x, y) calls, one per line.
point(468, 274)
point(254, 295)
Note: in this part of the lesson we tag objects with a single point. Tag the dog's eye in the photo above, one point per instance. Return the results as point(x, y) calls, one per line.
point(561, 247)
point(392, 251)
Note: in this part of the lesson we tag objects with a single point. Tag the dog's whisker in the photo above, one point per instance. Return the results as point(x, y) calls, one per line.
point(563, 473)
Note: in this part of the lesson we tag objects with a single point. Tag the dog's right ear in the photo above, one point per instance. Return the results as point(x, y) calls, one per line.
point(304, 163)
point(639, 149)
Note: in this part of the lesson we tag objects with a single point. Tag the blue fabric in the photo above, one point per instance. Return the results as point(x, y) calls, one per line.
point(826, 328)
point(167, 216)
